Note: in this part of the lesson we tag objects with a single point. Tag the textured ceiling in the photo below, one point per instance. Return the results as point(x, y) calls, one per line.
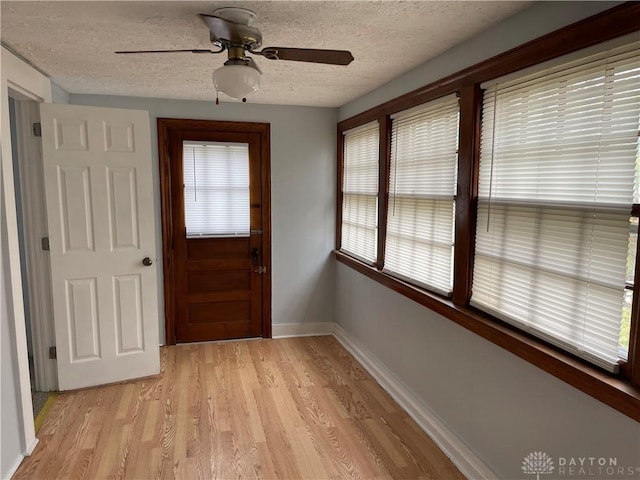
point(73, 43)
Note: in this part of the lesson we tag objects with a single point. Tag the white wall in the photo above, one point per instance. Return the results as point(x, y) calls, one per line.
point(502, 407)
point(302, 195)
point(17, 437)
point(10, 427)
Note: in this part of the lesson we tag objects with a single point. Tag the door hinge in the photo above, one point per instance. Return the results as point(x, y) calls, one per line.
point(37, 129)
point(260, 270)
point(53, 354)
point(45, 244)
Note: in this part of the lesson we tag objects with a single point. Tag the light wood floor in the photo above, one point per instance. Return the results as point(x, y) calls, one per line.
point(299, 408)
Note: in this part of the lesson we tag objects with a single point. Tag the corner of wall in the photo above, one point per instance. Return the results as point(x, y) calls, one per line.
point(58, 94)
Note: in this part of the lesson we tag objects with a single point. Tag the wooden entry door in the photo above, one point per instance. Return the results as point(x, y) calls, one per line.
point(216, 229)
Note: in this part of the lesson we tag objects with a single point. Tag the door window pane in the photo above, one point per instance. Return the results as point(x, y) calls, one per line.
point(216, 189)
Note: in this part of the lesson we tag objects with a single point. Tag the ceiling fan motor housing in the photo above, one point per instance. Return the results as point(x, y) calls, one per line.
point(236, 15)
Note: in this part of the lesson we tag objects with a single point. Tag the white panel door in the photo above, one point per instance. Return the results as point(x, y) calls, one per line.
point(97, 164)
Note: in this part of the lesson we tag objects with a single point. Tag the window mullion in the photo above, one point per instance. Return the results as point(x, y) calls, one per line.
point(466, 193)
point(384, 165)
point(340, 185)
point(633, 359)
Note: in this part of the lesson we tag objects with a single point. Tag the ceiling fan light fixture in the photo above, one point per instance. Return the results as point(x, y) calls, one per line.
point(236, 81)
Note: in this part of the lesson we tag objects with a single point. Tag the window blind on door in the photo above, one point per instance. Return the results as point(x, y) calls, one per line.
point(360, 192)
point(558, 161)
point(216, 189)
point(420, 225)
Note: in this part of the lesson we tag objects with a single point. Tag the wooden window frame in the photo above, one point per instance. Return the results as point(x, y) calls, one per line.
point(620, 391)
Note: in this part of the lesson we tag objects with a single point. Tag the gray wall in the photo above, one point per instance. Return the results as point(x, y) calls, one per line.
point(10, 410)
point(20, 216)
point(501, 406)
point(58, 95)
point(533, 22)
point(302, 195)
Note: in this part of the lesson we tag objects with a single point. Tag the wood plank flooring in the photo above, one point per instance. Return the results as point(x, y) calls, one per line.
point(299, 408)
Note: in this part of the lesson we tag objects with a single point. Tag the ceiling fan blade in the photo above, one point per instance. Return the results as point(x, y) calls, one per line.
point(196, 50)
point(313, 55)
point(233, 32)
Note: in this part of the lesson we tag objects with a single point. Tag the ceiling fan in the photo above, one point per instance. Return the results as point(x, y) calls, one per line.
point(231, 30)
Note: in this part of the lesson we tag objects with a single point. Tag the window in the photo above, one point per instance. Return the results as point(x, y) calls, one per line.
point(420, 219)
point(360, 192)
point(559, 154)
point(216, 189)
point(541, 199)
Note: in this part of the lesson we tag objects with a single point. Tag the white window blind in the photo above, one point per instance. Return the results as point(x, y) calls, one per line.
point(420, 225)
point(216, 189)
point(360, 192)
point(559, 155)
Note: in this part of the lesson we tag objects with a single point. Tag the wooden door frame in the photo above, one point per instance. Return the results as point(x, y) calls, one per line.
point(166, 127)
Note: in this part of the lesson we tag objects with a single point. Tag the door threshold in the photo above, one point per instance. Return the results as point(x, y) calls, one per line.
point(222, 341)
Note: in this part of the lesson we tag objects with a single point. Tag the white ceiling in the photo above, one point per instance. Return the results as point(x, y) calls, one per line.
point(73, 43)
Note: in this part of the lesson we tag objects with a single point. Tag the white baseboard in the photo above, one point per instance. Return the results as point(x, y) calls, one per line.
point(13, 468)
point(31, 447)
point(19, 460)
point(453, 447)
point(286, 330)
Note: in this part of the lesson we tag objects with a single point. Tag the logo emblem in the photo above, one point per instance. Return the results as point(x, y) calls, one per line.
point(537, 463)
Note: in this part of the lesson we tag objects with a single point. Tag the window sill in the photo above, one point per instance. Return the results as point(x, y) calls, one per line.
point(616, 392)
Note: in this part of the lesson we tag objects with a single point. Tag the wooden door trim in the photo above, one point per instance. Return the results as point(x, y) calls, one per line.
point(166, 127)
